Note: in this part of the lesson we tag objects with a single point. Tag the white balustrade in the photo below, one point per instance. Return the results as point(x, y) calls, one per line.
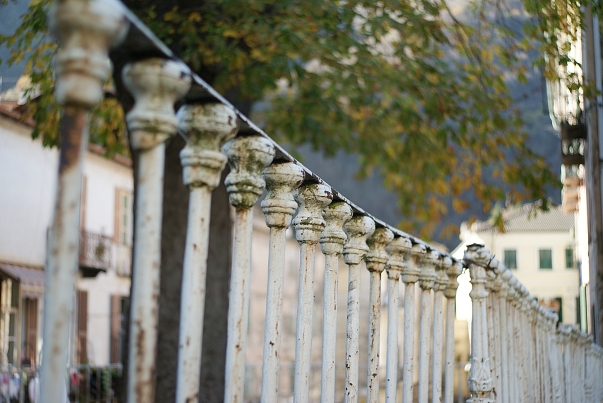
point(358, 229)
point(205, 128)
point(278, 207)
point(398, 249)
point(519, 352)
point(376, 260)
point(247, 157)
point(86, 30)
point(410, 276)
point(427, 279)
point(331, 242)
point(156, 84)
point(308, 224)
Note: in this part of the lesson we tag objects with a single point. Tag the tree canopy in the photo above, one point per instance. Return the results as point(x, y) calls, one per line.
point(418, 89)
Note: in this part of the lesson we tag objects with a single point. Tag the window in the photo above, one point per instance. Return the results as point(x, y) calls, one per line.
point(545, 259)
point(569, 258)
point(510, 256)
point(123, 217)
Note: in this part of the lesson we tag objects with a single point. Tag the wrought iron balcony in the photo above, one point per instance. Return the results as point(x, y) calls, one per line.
point(96, 251)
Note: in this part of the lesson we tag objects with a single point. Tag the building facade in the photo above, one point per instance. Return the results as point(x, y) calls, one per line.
point(28, 177)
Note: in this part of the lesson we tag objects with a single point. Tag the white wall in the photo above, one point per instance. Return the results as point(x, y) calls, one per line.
point(27, 191)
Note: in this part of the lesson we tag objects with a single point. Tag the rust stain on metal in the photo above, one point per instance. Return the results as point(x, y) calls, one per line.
point(73, 125)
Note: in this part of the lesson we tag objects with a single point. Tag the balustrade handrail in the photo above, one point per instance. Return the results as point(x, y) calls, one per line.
point(296, 197)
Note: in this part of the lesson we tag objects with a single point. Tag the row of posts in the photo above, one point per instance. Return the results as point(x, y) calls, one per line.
point(515, 343)
point(86, 30)
point(519, 351)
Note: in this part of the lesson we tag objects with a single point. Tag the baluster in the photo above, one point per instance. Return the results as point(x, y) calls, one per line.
point(247, 157)
point(584, 341)
point(398, 249)
point(517, 340)
point(85, 32)
point(205, 128)
point(556, 380)
point(331, 242)
point(450, 293)
point(358, 229)
point(308, 224)
point(438, 327)
point(541, 357)
point(156, 84)
point(564, 333)
point(427, 279)
point(410, 276)
point(376, 259)
point(480, 381)
point(530, 344)
point(494, 359)
point(504, 275)
point(278, 207)
point(549, 355)
point(511, 361)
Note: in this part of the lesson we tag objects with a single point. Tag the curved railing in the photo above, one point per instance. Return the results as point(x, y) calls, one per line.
point(217, 133)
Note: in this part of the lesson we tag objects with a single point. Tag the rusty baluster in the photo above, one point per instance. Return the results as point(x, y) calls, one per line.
point(398, 249)
point(155, 84)
point(308, 224)
point(205, 128)
point(427, 279)
point(358, 229)
point(247, 157)
point(410, 276)
point(85, 30)
point(331, 242)
point(376, 259)
point(438, 327)
point(278, 207)
point(480, 379)
point(452, 285)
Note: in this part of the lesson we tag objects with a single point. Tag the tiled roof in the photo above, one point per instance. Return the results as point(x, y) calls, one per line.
point(529, 219)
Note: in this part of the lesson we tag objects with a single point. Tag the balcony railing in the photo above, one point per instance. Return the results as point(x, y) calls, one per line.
point(518, 354)
point(96, 253)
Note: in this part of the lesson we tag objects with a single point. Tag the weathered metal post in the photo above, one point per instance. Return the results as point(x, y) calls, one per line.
point(358, 229)
point(398, 249)
point(331, 242)
point(427, 279)
point(450, 293)
point(85, 30)
point(308, 224)
point(480, 380)
point(410, 276)
point(247, 157)
point(155, 84)
point(438, 327)
point(278, 207)
point(376, 259)
point(205, 127)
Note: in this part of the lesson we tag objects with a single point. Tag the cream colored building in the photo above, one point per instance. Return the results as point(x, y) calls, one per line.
point(539, 248)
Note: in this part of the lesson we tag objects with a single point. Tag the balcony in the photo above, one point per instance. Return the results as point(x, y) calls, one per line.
point(96, 252)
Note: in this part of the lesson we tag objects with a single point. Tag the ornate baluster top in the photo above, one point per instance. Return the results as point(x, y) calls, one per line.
point(377, 256)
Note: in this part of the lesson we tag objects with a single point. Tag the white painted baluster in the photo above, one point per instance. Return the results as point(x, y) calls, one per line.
point(410, 275)
point(156, 85)
point(397, 251)
point(376, 259)
point(556, 379)
point(450, 293)
point(331, 242)
point(548, 354)
point(308, 224)
point(506, 368)
point(247, 157)
point(494, 359)
point(438, 327)
point(564, 332)
point(497, 330)
point(205, 127)
point(480, 381)
point(427, 279)
point(278, 207)
point(85, 30)
point(358, 229)
point(515, 339)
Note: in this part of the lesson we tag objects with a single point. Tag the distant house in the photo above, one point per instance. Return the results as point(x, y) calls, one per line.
point(28, 179)
point(539, 248)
